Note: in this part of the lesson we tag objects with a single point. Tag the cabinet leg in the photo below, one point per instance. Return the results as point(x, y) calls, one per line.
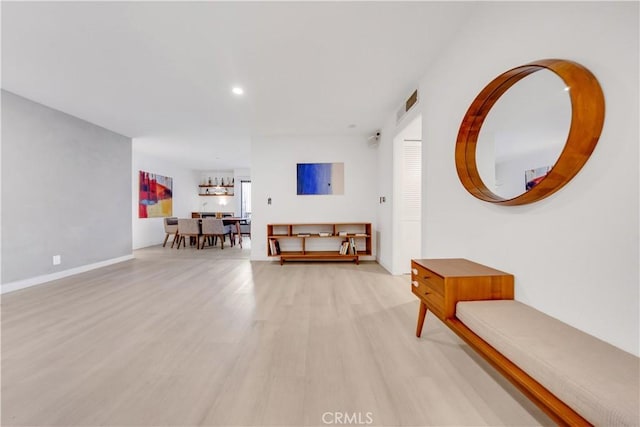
point(421, 315)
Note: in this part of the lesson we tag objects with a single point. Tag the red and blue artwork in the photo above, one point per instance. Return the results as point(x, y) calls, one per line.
point(532, 177)
point(320, 178)
point(156, 195)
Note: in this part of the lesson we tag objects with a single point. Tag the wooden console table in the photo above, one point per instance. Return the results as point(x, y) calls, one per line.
point(319, 241)
point(441, 283)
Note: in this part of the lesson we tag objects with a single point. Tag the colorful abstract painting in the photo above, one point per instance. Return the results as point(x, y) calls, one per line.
point(320, 178)
point(156, 196)
point(532, 177)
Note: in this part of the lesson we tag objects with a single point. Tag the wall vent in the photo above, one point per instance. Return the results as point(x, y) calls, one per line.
point(408, 105)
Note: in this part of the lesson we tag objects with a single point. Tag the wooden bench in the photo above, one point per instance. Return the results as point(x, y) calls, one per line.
point(580, 379)
point(575, 378)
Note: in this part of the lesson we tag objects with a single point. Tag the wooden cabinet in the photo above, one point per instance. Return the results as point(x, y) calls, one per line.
point(441, 283)
point(318, 241)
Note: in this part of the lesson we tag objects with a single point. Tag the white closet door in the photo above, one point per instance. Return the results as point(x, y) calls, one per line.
point(409, 204)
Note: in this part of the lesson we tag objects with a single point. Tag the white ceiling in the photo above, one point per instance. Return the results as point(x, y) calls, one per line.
point(163, 71)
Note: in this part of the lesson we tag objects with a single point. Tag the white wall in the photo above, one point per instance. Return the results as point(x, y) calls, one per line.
point(274, 175)
point(226, 203)
point(575, 254)
point(150, 231)
point(384, 214)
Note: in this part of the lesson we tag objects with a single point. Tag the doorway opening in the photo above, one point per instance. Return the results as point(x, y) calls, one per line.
point(407, 200)
point(245, 199)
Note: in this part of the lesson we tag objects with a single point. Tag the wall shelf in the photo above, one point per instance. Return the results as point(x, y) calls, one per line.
point(216, 193)
point(217, 183)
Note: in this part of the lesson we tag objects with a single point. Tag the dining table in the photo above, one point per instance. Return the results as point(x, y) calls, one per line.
point(229, 220)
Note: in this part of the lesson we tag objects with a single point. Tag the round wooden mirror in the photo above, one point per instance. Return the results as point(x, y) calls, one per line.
point(586, 121)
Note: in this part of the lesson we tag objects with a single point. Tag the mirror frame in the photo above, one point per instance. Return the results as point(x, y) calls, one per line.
point(587, 119)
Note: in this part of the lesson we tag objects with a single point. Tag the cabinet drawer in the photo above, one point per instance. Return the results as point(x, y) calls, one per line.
point(434, 301)
point(428, 278)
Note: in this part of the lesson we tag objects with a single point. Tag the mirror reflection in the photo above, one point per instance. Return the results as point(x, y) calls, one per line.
point(524, 134)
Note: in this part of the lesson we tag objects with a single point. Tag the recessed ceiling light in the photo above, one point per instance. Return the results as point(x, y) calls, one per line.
point(237, 90)
point(351, 126)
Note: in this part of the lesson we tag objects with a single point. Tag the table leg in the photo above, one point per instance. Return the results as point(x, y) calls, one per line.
point(239, 233)
point(421, 315)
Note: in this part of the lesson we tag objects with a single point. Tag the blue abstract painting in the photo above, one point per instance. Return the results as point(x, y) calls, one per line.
point(320, 178)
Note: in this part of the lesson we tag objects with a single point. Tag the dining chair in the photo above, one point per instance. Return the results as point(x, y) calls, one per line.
point(188, 227)
point(245, 229)
point(170, 227)
point(213, 228)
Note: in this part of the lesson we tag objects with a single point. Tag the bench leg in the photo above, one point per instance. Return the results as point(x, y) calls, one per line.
point(421, 315)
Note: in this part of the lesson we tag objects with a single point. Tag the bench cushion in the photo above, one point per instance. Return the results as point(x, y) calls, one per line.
point(599, 381)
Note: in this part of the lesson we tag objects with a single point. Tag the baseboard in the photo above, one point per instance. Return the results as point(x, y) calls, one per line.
point(38, 280)
point(385, 266)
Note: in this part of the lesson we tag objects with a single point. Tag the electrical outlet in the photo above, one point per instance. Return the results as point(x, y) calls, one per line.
point(56, 260)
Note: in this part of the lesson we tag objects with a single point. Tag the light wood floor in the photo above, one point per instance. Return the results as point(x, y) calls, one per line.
point(190, 337)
